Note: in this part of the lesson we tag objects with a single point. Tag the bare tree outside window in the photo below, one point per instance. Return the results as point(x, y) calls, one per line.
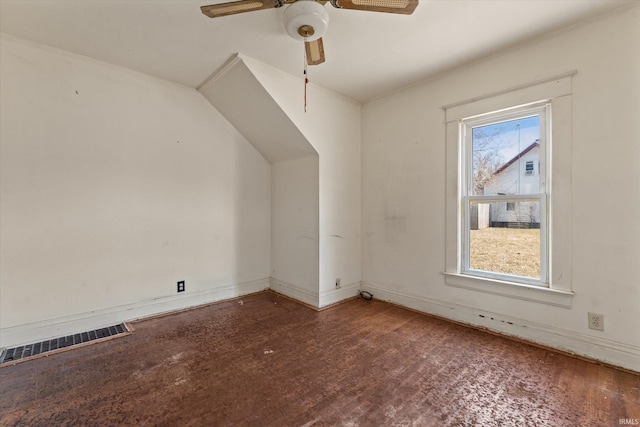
point(487, 157)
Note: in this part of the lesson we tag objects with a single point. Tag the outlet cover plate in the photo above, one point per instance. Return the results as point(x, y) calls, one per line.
point(596, 321)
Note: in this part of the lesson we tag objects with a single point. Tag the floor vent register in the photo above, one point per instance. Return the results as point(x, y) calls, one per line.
point(28, 350)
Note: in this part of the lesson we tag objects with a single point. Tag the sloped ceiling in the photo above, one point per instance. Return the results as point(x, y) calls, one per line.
point(368, 54)
point(243, 100)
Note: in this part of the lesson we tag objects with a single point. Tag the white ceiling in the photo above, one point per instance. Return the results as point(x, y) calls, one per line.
point(368, 54)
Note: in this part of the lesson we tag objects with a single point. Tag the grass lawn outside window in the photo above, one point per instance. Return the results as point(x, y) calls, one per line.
point(506, 250)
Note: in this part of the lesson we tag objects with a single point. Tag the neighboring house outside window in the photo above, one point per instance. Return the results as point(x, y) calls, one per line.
point(508, 179)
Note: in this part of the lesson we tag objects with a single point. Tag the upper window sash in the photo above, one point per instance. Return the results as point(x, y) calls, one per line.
point(542, 109)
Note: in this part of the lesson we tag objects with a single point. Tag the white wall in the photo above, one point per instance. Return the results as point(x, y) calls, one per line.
point(403, 163)
point(332, 125)
point(115, 185)
point(294, 228)
point(244, 100)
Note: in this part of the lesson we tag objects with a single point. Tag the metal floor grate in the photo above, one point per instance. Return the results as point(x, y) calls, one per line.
point(24, 351)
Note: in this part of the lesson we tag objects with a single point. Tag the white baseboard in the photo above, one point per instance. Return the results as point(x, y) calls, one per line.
point(67, 325)
point(608, 351)
point(294, 291)
point(72, 324)
point(333, 296)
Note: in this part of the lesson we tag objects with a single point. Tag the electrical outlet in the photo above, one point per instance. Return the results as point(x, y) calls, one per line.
point(181, 286)
point(596, 321)
point(338, 283)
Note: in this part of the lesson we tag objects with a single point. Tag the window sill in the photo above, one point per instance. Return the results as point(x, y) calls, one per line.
point(510, 289)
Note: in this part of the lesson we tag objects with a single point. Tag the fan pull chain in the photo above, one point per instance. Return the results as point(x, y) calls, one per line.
point(306, 79)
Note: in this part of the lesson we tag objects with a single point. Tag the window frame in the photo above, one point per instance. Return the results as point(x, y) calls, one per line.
point(467, 197)
point(558, 90)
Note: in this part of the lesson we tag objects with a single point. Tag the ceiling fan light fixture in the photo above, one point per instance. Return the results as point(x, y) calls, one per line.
point(306, 20)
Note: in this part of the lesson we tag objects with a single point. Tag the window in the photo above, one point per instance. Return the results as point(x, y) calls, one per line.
point(529, 168)
point(481, 198)
point(504, 222)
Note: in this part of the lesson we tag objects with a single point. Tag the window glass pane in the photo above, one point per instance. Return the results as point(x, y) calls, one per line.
point(500, 153)
point(505, 241)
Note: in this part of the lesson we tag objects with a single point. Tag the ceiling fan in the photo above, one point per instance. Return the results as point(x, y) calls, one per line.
point(307, 20)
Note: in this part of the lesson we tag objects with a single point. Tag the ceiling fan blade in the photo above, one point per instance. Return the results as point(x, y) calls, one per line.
point(315, 52)
point(231, 8)
point(405, 7)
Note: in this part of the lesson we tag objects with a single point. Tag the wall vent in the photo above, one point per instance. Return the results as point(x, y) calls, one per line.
point(29, 350)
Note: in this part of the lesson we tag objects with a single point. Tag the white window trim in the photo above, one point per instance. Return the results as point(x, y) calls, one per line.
point(556, 91)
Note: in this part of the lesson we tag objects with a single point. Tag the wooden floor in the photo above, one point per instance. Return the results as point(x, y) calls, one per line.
point(269, 361)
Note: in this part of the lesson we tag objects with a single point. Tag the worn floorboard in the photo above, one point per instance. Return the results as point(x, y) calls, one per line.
point(269, 361)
